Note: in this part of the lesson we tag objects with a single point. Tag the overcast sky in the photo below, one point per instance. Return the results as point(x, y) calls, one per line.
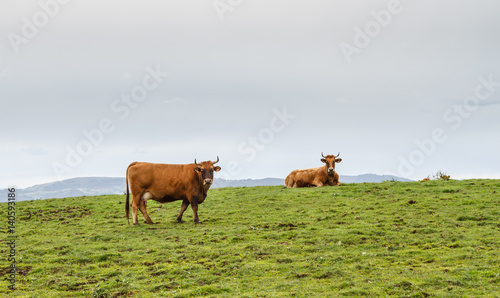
point(397, 87)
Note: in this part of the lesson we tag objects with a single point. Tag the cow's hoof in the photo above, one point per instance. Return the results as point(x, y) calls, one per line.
point(197, 222)
point(136, 223)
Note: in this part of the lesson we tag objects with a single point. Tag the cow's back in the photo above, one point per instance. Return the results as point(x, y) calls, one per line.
point(165, 182)
point(305, 178)
point(140, 174)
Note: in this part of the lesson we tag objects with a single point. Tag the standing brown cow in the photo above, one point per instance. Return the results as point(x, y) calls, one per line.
point(316, 177)
point(167, 183)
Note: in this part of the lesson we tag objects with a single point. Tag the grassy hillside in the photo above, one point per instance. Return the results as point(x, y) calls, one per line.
point(419, 239)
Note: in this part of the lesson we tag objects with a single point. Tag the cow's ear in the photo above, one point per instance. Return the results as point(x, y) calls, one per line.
point(217, 168)
point(197, 169)
point(323, 160)
point(338, 160)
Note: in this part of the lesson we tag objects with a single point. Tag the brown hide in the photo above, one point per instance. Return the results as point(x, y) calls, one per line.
point(315, 177)
point(164, 183)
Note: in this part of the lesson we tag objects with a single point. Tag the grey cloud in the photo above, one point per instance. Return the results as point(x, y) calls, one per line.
point(226, 77)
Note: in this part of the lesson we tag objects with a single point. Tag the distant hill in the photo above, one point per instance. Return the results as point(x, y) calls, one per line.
point(75, 187)
point(371, 178)
point(220, 183)
point(92, 186)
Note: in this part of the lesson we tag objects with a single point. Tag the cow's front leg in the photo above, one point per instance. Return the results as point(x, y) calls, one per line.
point(317, 184)
point(194, 205)
point(336, 179)
point(184, 206)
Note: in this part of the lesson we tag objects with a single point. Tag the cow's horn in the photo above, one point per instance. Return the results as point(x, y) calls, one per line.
point(196, 162)
point(337, 155)
point(214, 162)
point(322, 154)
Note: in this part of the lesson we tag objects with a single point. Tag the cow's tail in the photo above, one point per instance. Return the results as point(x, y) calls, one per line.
point(127, 205)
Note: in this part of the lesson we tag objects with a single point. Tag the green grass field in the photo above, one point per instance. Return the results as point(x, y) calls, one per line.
point(416, 239)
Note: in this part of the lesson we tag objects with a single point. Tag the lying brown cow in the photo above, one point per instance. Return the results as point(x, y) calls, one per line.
point(167, 183)
point(316, 177)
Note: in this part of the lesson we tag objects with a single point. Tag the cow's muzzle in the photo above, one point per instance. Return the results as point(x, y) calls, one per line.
point(331, 170)
point(207, 182)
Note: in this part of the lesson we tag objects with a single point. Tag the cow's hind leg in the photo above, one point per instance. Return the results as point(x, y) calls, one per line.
point(136, 198)
point(184, 206)
point(134, 215)
point(143, 206)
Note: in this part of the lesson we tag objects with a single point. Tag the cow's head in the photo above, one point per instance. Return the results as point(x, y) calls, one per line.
point(206, 170)
point(330, 161)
